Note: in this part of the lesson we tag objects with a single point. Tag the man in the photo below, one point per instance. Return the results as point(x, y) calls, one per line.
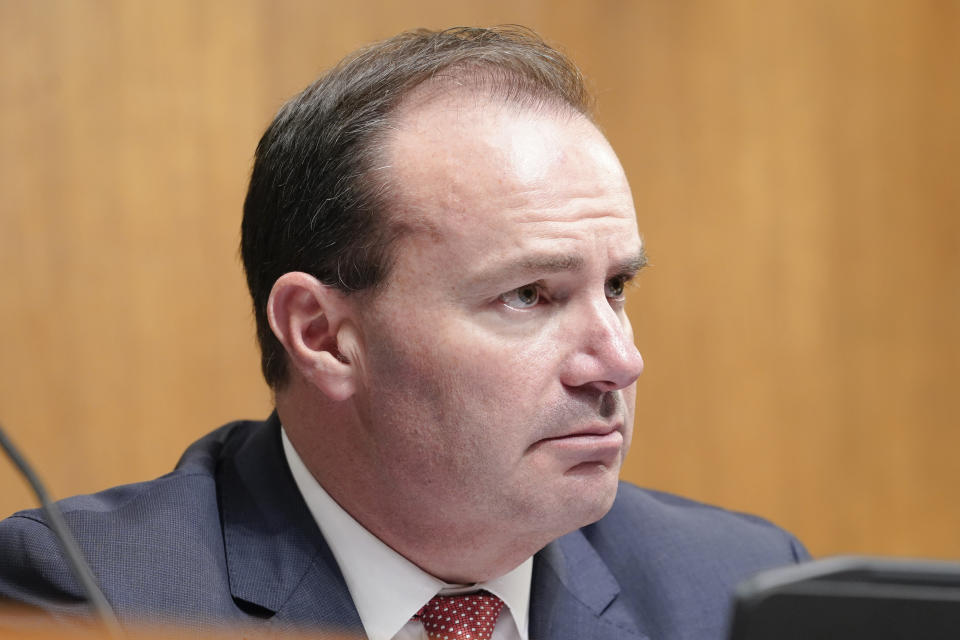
point(438, 241)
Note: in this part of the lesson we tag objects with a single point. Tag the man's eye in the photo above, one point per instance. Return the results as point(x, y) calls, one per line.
point(522, 297)
point(614, 288)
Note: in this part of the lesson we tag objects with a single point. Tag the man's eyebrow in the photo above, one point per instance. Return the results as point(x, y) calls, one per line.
point(632, 266)
point(555, 263)
point(552, 263)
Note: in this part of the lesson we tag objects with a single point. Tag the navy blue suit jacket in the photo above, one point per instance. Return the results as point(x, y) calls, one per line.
point(227, 539)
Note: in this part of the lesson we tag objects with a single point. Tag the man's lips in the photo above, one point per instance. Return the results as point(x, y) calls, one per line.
point(597, 430)
point(597, 440)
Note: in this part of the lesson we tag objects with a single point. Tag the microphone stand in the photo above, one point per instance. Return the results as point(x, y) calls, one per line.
point(81, 570)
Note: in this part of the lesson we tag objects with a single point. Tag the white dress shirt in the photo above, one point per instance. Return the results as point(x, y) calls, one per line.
point(388, 589)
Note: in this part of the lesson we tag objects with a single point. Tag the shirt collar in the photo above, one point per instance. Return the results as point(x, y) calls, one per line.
point(386, 588)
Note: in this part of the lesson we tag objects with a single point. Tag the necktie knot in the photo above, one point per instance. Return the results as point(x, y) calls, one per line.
point(471, 616)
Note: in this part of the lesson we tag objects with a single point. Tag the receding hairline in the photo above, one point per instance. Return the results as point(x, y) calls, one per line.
point(507, 82)
point(490, 85)
point(470, 84)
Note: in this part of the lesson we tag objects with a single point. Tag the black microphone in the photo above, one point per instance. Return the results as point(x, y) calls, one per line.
point(78, 564)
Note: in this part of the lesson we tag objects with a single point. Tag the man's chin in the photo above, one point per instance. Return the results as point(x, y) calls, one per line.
point(593, 490)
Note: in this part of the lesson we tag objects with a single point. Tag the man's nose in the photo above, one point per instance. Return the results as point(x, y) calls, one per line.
point(604, 356)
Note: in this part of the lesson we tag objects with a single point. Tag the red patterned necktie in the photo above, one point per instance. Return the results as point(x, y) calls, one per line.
point(471, 616)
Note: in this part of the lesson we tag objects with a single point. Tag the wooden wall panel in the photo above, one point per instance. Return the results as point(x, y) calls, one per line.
point(794, 166)
point(802, 320)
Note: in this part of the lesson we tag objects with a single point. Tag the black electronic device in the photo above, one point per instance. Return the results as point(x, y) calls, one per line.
point(850, 598)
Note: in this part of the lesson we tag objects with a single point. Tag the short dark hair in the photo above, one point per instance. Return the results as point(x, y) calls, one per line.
point(313, 204)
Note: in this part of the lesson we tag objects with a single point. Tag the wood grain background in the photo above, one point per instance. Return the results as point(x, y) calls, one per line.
point(796, 169)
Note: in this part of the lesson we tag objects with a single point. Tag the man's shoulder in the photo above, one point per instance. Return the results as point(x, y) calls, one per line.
point(655, 521)
point(663, 564)
point(667, 513)
point(196, 468)
point(675, 562)
point(127, 533)
point(661, 540)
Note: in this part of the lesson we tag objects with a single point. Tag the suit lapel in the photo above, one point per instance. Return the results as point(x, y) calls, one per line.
point(574, 595)
point(279, 565)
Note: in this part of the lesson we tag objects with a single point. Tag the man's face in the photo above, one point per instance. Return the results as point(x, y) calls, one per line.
point(497, 383)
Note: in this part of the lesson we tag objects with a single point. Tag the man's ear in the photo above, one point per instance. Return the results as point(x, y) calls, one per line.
point(310, 318)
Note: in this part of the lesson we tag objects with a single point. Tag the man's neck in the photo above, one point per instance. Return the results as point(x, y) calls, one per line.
point(457, 553)
point(386, 587)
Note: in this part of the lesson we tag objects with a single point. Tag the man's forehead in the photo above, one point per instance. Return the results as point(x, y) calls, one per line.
point(455, 124)
point(461, 150)
point(468, 175)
